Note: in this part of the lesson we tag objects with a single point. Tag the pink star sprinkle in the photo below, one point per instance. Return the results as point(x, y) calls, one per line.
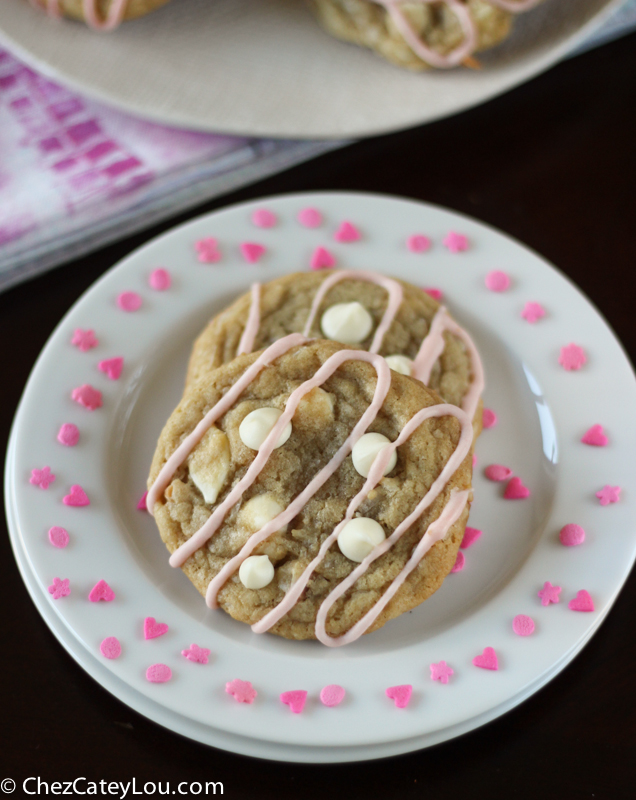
point(418, 243)
point(487, 660)
point(87, 396)
point(129, 301)
point(549, 594)
point(441, 672)
point(199, 655)
point(470, 537)
point(264, 218)
point(58, 537)
point(571, 535)
point(322, 259)
point(101, 591)
point(141, 505)
point(347, 232)
point(497, 281)
point(460, 562)
point(42, 477)
point(489, 418)
point(310, 218)
point(400, 695)
point(532, 312)
point(68, 435)
point(497, 472)
point(582, 602)
point(110, 647)
point(572, 357)
point(84, 340)
point(111, 367)
point(332, 695)
point(455, 242)
point(160, 280)
point(252, 252)
point(207, 250)
point(436, 294)
point(76, 497)
point(152, 628)
point(241, 691)
point(523, 625)
point(609, 494)
point(595, 436)
point(158, 673)
point(60, 588)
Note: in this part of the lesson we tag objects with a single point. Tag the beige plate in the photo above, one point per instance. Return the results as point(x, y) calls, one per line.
point(264, 67)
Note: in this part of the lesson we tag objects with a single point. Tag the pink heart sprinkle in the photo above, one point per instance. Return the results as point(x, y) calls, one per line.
point(111, 367)
point(110, 647)
point(418, 243)
point(515, 490)
point(264, 218)
point(310, 218)
point(332, 695)
point(489, 418)
point(141, 505)
point(158, 673)
point(129, 301)
point(76, 497)
point(58, 537)
point(595, 436)
point(497, 281)
point(572, 357)
point(572, 535)
point(460, 562)
point(487, 660)
point(322, 259)
point(582, 602)
point(497, 472)
point(523, 625)
point(436, 294)
point(400, 695)
point(252, 252)
point(295, 700)
point(160, 280)
point(87, 396)
point(68, 435)
point(196, 654)
point(347, 232)
point(101, 591)
point(470, 537)
point(241, 691)
point(152, 628)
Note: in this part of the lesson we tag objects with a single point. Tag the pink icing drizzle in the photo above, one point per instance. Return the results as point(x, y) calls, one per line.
point(114, 17)
point(246, 345)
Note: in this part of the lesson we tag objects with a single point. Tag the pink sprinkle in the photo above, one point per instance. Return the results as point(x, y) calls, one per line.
point(441, 672)
point(455, 242)
point(572, 535)
point(264, 218)
point(400, 695)
point(60, 588)
point(111, 367)
point(549, 594)
point(470, 537)
point(42, 477)
point(141, 505)
point(347, 232)
point(523, 625)
point(489, 418)
point(158, 673)
point(129, 301)
point(332, 695)
point(515, 490)
point(68, 434)
point(497, 281)
point(84, 340)
point(160, 280)
point(497, 472)
point(76, 497)
point(58, 537)
point(295, 700)
point(595, 436)
point(241, 691)
point(310, 218)
point(101, 591)
point(196, 654)
point(460, 562)
point(152, 628)
point(533, 312)
point(207, 250)
point(322, 259)
point(436, 294)
point(418, 243)
point(487, 660)
point(87, 396)
point(582, 602)
point(609, 494)
point(474, 460)
point(572, 357)
point(252, 252)
point(110, 647)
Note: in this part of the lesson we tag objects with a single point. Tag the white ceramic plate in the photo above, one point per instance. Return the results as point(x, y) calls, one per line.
point(543, 411)
point(264, 67)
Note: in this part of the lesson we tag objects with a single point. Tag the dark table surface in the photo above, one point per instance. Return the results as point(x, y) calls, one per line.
point(553, 164)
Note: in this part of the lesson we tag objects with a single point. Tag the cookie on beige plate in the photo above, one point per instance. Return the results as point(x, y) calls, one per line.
point(100, 13)
point(311, 491)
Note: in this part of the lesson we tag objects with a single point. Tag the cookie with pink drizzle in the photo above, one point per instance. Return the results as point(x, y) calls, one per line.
point(311, 491)
point(359, 308)
point(103, 15)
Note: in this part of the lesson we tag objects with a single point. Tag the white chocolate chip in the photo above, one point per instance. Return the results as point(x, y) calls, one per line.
point(209, 464)
point(256, 572)
point(258, 511)
point(358, 538)
point(256, 427)
point(350, 323)
point(400, 364)
point(366, 449)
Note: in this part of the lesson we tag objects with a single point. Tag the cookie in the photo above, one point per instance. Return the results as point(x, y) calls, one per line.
point(100, 14)
point(295, 528)
point(366, 310)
